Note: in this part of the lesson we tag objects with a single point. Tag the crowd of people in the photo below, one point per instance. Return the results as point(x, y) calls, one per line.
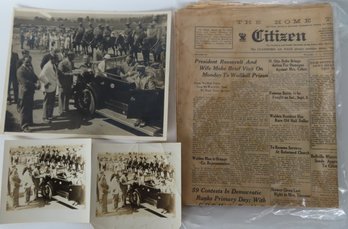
point(132, 39)
point(31, 165)
point(118, 173)
point(57, 66)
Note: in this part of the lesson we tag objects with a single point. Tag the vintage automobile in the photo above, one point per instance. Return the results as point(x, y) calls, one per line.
point(149, 193)
point(61, 186)
point(111, 95)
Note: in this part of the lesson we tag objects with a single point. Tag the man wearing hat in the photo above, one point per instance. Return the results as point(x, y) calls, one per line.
point(88, 38)
point(102, 65)
point(98, 35)
point(142, 81)
point(65, 81)
point(86, 62)
point(48, 57)
point(78, 37)
point(128, 32)
point(25, 53)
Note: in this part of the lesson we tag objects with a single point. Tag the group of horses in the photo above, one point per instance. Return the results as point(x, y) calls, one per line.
point(127, 42)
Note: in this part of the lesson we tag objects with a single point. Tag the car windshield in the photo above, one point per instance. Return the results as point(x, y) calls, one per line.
point(114, 62)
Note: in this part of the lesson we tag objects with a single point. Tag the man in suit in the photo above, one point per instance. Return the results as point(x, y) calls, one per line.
point(27, 84)
point(49, 79)
point(65, 79)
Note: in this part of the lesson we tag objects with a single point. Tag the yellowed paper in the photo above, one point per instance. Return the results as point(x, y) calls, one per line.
point(256, 105)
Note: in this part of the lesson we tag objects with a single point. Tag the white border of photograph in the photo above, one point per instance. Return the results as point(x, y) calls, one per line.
point(168, 72)
point(130, 221)
point(41, 214)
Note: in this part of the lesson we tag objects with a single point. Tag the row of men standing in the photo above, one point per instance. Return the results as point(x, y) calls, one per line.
point(54, 74)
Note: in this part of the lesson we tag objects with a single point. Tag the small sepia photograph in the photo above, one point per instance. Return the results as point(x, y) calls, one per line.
point(136, 184)
point(88, 73)
point(41, 179)
point(46, 176)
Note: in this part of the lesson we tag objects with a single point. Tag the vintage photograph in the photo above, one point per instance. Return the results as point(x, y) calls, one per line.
point(51, 178)
point(88, 73)
point(137, 184)
point(46, 176)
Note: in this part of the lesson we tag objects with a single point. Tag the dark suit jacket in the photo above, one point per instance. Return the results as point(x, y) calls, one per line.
point(27, 80)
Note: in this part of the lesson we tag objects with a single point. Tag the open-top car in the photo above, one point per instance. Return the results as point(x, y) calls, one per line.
point(61, 186)
point(152, 194)
point(110, 94)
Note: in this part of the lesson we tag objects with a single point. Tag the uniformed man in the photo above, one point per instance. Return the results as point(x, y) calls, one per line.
point(27, 84)
point(98, 35)
point(15, 183)
point(78, 37)
point(65, 81)
point(36, 181)
point(123, 185)
point(104, 189)
point(87, 39)
point(139, 35)
point(129, 41)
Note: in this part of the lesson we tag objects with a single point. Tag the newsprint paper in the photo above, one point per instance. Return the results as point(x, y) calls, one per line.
point(128, 185)
point(256, 105)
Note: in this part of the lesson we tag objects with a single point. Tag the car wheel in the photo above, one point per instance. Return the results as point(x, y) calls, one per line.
point(134, 198)
point(85, 101)
point(47, 191)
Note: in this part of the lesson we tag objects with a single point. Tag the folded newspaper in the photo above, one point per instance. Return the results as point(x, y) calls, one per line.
point(256, 104)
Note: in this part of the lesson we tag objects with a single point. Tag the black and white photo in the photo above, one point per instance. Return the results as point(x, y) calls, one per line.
point(88, 73)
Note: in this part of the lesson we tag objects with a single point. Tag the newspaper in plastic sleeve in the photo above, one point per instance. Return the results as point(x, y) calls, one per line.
point(256, 105)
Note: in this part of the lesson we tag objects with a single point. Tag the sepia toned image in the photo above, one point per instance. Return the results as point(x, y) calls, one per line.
point(136, 184)
point(45, 179)
point(88, 73)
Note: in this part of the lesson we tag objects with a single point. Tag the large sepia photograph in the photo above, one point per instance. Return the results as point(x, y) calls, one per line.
point(88, 73)
point(45, 178)
point(136, 184)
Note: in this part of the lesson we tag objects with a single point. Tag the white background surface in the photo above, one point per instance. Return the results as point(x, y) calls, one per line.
point(211, 217)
